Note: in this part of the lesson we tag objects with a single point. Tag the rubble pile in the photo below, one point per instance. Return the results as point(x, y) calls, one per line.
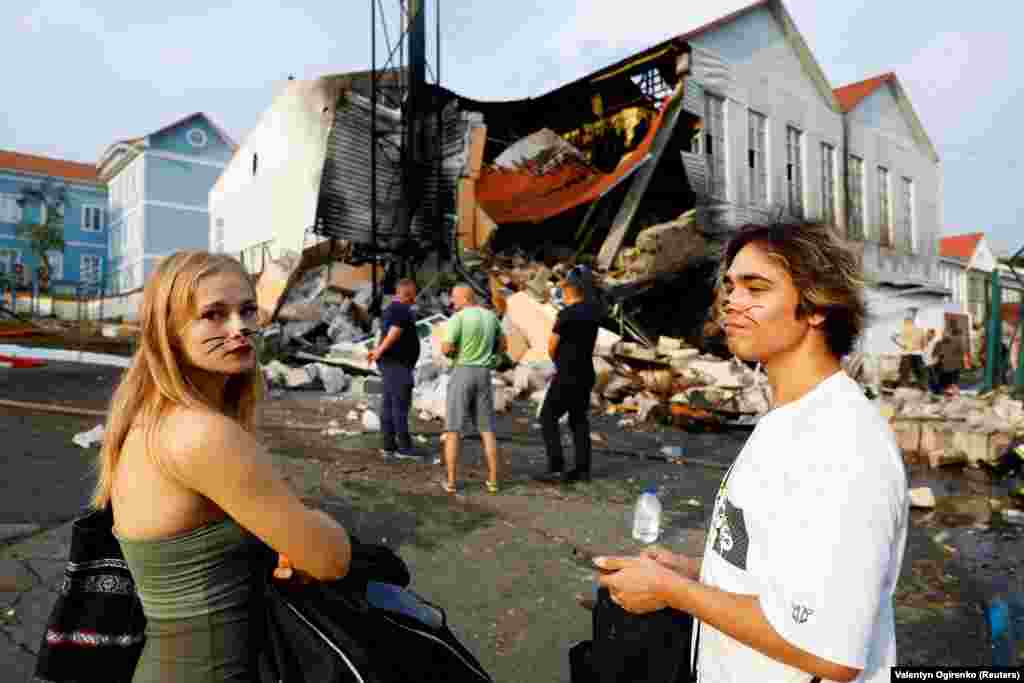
point(971, 430)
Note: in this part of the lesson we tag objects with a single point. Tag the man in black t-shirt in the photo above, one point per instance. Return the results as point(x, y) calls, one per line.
point(571, 346)
point(396, 357)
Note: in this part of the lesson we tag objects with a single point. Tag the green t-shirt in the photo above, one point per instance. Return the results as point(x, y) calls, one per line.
point(473, 331)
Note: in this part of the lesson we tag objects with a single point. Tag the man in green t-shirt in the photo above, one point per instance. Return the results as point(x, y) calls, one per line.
point(474, 338)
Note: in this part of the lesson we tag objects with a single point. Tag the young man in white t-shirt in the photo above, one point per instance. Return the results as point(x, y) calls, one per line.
point(809, 525)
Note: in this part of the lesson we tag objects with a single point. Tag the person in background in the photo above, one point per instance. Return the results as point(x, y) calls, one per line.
point(571, 347)
point(192, 489)
point(949, 355)
point(931, 340)
point(473, 336)
point(769, 603)
point(396, 358)
point(911, 342)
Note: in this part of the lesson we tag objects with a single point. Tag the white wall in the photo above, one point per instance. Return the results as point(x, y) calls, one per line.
point(880, 134)
point(278, 203)
point(768, 77)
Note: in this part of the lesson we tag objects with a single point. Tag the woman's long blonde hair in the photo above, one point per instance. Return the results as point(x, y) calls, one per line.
point(155, 381)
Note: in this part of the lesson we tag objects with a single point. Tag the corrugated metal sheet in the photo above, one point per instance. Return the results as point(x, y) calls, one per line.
point(710, 70)
point(696, 166)
point(693, 97)
point(344, 209)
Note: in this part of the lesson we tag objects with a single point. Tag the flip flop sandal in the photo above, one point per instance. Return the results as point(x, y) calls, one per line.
point(492, 487)
point(448, 488)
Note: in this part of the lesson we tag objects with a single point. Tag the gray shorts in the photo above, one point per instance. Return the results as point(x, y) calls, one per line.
point(470, 400)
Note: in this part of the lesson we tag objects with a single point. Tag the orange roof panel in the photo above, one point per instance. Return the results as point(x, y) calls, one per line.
point(523, 196)
point(850, 96)
point(59, 168)
point(960, 246)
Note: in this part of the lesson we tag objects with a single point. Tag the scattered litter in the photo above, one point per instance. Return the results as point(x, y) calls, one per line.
point(1014, 516)
point(371, 422)
point(87, 439)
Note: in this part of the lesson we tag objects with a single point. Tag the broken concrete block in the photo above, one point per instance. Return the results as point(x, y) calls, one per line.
point(350, 279)
point(534, 319)
point(669, 247)
point(943, 458)
point(668, 344)
point(518, 344)
point(908, 435)
point(334, 379)
point(1009, 410)
point(973, 444)
point(300, 378)
point(722, 373)
point(680, 358)
point(936, 436)
point(921, 497)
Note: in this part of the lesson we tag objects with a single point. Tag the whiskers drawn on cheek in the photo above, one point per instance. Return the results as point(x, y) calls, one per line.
point(218, 342)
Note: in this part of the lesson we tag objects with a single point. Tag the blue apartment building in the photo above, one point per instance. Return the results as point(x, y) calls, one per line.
point(83, 261)
point(159, 186)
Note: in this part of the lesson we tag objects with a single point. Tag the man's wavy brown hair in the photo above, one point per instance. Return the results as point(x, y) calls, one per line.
point(825, 271)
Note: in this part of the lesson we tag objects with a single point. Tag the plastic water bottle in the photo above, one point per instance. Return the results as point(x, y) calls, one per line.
point(647, 516)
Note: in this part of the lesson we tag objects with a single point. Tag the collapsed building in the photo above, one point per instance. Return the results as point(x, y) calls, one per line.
point(641, 169)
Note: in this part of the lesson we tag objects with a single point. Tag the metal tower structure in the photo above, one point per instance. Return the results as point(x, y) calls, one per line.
point(400, 83)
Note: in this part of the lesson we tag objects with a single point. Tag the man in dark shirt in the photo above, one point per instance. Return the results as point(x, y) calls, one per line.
point(571, 346)
point(396, 357)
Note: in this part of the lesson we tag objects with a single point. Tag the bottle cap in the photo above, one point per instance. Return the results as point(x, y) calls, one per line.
point(651, 489)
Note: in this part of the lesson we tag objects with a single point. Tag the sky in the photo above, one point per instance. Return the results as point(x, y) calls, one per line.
point(81, 75)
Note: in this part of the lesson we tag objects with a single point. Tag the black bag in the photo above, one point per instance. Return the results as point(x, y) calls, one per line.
point(366, 627)
point(95, 629)
point(640, 648)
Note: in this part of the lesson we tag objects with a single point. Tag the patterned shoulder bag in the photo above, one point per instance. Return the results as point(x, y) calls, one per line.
point(95, 630)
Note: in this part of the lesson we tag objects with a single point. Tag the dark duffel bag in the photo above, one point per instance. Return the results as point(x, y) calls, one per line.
point(633, 648)
point(365, 628)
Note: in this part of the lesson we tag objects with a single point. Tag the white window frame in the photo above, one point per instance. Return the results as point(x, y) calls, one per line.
point(7, 262)
point(56, 259)
point(757, 157)
point(886, 227)
point(909, 222)
point(98, 273)
point(714, 144)
point(828, 183)
point(856, 189)
point(10, 211)
point(794, 171)
point(97, 212)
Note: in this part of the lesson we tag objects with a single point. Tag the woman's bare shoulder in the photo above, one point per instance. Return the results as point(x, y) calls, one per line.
point(188, 434)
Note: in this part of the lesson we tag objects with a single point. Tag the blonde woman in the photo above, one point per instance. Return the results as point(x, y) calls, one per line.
point(191, 487)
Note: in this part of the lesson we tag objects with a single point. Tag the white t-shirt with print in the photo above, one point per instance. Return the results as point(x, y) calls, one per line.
point(814, 523)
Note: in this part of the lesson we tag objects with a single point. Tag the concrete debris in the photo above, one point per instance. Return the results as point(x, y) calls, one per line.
point(301, 378)
point(665, 248)
point(953, 430)
point(922, 497)
point(334, 379)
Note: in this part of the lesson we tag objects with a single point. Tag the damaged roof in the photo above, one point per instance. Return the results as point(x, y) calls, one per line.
point(523, 195)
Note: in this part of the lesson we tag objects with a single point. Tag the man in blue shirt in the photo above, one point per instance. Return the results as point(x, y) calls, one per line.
point(396, 357)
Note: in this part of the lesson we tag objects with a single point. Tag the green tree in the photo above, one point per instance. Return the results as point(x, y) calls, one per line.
point(47, 234)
